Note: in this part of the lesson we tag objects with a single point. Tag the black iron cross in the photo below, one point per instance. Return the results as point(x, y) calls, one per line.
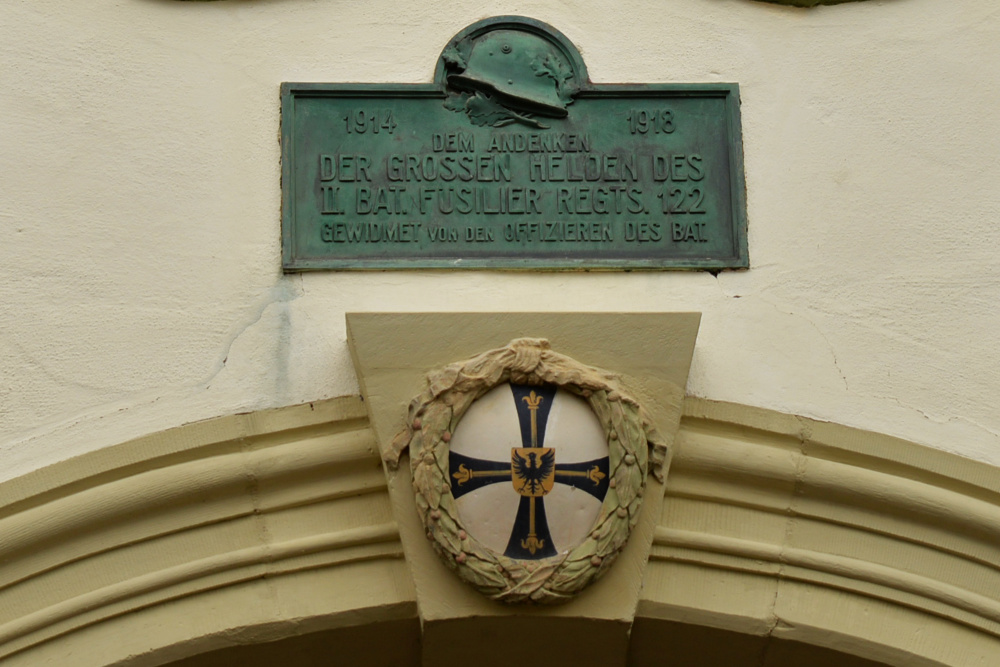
point(527, 472)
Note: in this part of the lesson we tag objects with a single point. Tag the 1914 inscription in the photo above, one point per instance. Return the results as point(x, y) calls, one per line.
point(512, 160)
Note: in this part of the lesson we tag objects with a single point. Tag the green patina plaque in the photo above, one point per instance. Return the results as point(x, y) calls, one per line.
point(512, 159)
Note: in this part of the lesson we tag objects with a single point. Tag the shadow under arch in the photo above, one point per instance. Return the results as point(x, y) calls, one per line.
point(655, 642)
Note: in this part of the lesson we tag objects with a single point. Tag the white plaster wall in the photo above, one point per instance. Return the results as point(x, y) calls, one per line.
point(140, 281)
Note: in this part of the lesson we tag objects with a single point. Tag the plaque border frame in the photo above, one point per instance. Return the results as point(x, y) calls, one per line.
point(739, 259)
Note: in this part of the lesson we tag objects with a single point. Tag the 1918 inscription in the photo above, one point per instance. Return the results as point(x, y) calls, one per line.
point(472, 172)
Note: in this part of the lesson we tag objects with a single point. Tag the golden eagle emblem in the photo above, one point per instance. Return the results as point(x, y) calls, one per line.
point(533, 470)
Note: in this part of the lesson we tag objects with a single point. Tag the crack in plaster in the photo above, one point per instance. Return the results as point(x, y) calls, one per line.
point(773, 621)
point(758, 294)
point(718, 282)
point(285, 291)
point(96, 413)
point(801, 462)
point(264, 535)
point(829, 345)
point(914, 408)
point(974, 423)
point(833, 354)
point(939, 420)
point(994, 433)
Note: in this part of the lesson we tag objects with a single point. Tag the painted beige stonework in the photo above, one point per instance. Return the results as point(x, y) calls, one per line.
point(257, 538)
point(393, 353)
point(140, 285)
point(140, 289)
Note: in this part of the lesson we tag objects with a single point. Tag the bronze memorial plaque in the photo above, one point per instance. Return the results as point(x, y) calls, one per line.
point(512, 159)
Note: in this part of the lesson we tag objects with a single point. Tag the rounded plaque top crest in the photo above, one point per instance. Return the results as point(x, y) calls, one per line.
point(532, 497)
point(511, 69)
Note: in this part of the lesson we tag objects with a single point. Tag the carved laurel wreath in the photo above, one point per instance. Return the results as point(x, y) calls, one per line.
point(633, 444)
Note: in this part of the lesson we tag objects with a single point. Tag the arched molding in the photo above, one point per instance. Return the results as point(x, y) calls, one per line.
point(788, 528)
point(780, 537)
point(232, 531)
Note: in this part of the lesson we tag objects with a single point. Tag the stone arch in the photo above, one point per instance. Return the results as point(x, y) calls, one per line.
point(782, 540)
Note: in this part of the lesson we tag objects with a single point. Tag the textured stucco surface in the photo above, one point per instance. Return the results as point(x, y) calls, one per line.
point(140, 281)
